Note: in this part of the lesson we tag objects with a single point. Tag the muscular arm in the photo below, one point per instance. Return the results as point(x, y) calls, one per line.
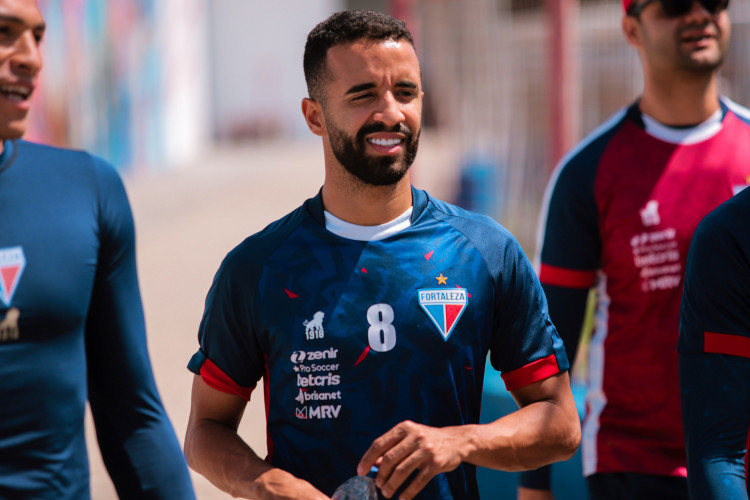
point(214, 449)
point(545, 429)
point(567, 309)
point(136, 439)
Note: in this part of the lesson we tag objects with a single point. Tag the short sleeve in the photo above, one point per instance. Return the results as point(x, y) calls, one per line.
point(526, 347)
point(230, 358)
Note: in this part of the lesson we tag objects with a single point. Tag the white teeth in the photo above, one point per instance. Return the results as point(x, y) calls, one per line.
point(386, 142)
point(15, 92)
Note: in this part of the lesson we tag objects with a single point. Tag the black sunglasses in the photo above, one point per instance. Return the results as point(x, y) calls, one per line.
point(677, 8)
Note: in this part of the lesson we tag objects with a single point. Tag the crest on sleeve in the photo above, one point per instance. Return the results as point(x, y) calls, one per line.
point(12, 263)
point(444, 306)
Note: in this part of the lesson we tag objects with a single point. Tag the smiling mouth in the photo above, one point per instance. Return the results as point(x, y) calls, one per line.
point(696, 38)
point(16, 93)
point(388, 143)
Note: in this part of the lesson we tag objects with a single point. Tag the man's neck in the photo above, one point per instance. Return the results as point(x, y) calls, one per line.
point(680, 100)
point(366, 205)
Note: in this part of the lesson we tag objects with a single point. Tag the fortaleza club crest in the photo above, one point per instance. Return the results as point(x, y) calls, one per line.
point(444, 306)
point(12, 262)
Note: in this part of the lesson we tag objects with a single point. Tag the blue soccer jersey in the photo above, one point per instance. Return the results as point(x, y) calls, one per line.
point(352, 337)
point(72, 329)
point(714, 351)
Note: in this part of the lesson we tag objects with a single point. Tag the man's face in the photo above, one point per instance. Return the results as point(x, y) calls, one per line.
point(696, 42)
point(373, 109)
point(21, 31)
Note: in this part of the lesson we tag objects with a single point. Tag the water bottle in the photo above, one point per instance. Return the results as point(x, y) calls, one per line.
point(358, 488)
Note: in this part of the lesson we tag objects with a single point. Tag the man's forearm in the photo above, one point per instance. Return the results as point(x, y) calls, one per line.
point(545, 429)
point(219, 454)
point(536, 435)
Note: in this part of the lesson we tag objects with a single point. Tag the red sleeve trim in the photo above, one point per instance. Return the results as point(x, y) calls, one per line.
point(217, 379)
point(722, 343)
point(558, 276)
point(533, 372)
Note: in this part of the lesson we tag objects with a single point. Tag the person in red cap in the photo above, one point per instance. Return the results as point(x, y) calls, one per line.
point(618, 216)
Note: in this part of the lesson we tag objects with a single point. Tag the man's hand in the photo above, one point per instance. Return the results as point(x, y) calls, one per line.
point(409, 447)
point(277, 484)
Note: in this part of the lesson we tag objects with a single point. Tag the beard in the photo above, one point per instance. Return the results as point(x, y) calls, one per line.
point(375, 171)
point(705, 61)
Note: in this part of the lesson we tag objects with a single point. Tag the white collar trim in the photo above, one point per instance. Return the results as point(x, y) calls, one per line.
point(692, 135)
point(367, 233)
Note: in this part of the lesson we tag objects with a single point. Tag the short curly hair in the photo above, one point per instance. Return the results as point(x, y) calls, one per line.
point(344, 27)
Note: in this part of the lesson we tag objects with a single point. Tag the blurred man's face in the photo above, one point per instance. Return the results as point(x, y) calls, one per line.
point(21, 30)
point(694, 42)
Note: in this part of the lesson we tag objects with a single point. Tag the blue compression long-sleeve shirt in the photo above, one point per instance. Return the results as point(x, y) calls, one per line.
point(714, 349)
point(72, 329)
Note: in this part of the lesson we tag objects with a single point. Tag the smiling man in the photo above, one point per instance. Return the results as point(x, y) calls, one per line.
point(619, 215)
point(412, 293)
point(71, 321)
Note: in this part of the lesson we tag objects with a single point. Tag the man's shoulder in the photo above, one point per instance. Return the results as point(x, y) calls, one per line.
point(740, 111)
point(35, 148)
point(588, 151)
point(727, 221)
point(454, 214)
point(254, 249)
point(487, 235)
point(58, 157)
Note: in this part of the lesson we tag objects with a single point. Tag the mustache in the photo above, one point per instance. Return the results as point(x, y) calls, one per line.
point(697, 26)
point(371, 128)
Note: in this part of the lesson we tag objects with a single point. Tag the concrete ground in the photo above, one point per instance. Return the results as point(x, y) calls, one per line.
point(187, 219)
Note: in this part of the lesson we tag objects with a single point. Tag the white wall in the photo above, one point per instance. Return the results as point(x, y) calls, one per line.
point(183, 35)
point(256, 67)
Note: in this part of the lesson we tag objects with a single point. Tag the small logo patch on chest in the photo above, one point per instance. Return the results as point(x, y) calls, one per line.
point(444, 306)
point(314, 327)
point(12, 263)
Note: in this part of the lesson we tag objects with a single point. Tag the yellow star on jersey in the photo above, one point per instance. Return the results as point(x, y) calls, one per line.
point(442, 280)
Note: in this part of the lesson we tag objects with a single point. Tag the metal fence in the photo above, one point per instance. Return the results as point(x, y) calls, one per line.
point(486, 74)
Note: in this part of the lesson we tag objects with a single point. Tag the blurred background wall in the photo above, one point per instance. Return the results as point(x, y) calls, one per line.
point(125, 79)
point(510, 84)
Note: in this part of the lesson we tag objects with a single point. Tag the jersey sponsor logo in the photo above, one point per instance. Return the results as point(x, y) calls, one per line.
point(656, 255)
point(314, 327)
point(333, 367)
point(318, 412)
point(9, 325)
point(305, 395)
point(650, 213)
point(318, 380)
point(444, 306)
point(12, 264)
point(302, 356)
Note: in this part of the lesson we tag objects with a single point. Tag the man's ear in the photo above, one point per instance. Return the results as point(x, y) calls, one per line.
point(632, 31)
point(313, 112)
